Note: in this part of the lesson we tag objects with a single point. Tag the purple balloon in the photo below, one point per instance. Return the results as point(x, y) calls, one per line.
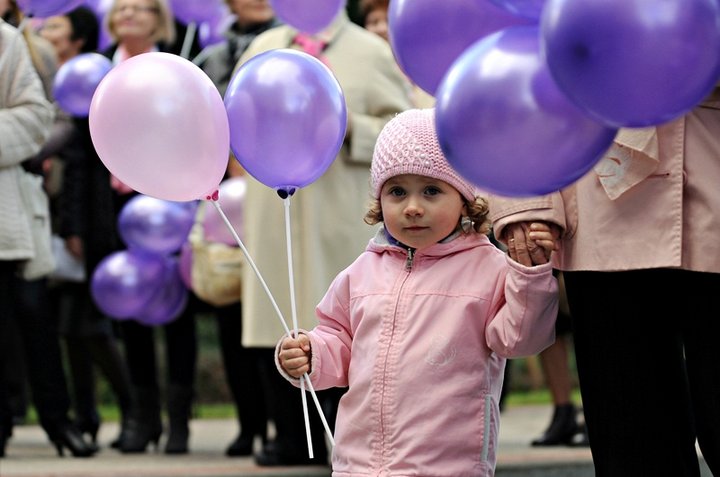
point(525, 8)
point(76, 80)
point(428, 35)
point(155, 225)
point(309, 16)
point(212, 32)
point(231, 198)
point(504, 124)
point(169, 300)
point(290, 95)
point(124, 282)
point(633, 62)
point(47, 8)
point(195, 11)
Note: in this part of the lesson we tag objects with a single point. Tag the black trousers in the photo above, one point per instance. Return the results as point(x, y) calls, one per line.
point(27, 303)
point(646, 344)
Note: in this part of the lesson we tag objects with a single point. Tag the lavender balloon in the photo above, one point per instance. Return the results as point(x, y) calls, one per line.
point(310, 16)
point(525, 8)
point(76, 81)
point(47, 8)
point(633, 62)
point(154, 225)
point(195, 11)
point(505, 125)
point(185, 264)
point(428, 35)
point(287, 118)
point(170, 299)
point(123, 283)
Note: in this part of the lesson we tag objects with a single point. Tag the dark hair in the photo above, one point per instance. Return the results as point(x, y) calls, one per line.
point(366, 6)
point(85, 26)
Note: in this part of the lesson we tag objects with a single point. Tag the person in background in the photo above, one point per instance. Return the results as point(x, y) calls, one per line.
point(242, 374)
point(325, 218)
point(430, 304)
point(84, 219)
point(137, 27)
point(639, 256)
point(25, 120)
point(564, 428)
point(374, 17)
point(252, 17)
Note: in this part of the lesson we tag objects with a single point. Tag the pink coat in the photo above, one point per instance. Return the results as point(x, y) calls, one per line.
point(423, 351)
point(658, 206)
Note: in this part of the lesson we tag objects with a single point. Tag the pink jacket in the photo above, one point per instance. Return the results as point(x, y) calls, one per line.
point(422, 348)
point(652, 202)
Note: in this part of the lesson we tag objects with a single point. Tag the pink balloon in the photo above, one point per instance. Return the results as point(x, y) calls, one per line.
point(428, 35)
point(310, 16)
point(185, 264)
point(232, 202)
point(159, 125)
point(47, 8)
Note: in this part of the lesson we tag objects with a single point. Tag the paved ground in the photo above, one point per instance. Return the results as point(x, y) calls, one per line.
point(29, 454)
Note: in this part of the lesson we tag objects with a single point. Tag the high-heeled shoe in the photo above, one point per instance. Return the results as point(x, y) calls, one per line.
point(89, 426)
point(562, 428)
point(66, 435)
point(139, 435)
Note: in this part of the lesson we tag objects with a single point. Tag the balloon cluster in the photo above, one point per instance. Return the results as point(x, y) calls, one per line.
point(530, 93)
point(145, 282)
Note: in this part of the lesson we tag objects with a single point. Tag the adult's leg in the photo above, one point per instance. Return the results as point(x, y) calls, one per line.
point(243, 379)
point(181, 348)
point(700, 320)
point(630, 360)
point(7, 271)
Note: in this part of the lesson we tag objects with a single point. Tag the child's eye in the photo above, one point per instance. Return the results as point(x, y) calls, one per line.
point(397, 191)
point(432, 190)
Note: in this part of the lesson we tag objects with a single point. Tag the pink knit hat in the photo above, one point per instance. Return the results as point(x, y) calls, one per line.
point(408, 145)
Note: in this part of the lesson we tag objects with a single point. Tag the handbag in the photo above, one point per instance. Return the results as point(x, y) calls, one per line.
point(37, 208)
point(216, 267)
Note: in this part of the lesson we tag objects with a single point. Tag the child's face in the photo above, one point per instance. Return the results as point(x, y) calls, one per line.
point(420, 211)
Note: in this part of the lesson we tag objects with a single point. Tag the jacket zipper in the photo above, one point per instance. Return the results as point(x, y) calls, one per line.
point(410, 258)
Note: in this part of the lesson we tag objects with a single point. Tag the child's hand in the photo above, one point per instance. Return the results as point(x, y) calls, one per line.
point(295, 355)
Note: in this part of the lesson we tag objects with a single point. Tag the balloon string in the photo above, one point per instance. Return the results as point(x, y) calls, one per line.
point(187, 41)
point(293, 307)
point(249, 259)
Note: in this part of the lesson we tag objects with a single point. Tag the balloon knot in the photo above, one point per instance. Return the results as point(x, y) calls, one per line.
point(286, 192)
point(215, 195)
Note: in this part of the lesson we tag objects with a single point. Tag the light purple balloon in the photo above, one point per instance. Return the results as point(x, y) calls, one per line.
point(155, 225)
point(47, 8)
point(531, 9)
point(194, 11)
point(309, 16)
point(158, 123)
point(287, 118)
point(633, 63)
point(76, 80)
point(170, 299)
point(124, 282)
point(212, 32)
point(428, 35)
point(504, 124)
point(231, 198)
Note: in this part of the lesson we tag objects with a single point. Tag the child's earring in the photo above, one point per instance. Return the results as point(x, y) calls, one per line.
point(466, 224)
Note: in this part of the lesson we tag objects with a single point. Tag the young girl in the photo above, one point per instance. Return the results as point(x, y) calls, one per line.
point(420, 325)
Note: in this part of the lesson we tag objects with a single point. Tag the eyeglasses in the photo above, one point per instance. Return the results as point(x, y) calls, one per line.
point(135, 9)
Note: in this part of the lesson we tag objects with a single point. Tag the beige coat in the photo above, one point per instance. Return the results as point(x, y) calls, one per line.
point(652, 202)
point(327, 226)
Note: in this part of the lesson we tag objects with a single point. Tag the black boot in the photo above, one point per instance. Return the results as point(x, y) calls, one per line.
point(562, 427)
point(144, 425)
point(179, 410)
